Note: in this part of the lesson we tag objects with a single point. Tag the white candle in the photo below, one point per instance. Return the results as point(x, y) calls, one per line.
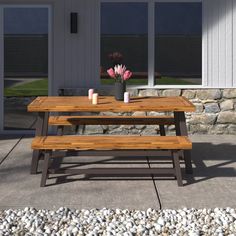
point(90, 94)
point(126, 97)
point(95, 99)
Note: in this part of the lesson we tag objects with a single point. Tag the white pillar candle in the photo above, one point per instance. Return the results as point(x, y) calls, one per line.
point(90, 94)
point(95, 99)
point(126, 97)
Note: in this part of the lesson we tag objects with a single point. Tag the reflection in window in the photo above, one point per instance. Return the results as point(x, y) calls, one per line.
point(124, 28)
point(178, 43)
point(25, 63)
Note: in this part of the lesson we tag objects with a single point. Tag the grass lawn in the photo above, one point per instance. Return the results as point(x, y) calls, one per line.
point(40, 87)
point(34, 88)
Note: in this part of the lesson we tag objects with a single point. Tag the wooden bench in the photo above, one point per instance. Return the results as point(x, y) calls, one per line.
point(62, 121)
point(175, 144)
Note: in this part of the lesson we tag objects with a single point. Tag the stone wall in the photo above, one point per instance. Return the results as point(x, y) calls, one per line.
point(215, 109)
point(215, 112)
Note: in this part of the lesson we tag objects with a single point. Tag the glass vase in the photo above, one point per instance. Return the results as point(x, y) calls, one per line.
point(120, 89)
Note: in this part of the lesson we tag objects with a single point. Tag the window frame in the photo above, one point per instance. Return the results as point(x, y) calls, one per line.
point(151, 46)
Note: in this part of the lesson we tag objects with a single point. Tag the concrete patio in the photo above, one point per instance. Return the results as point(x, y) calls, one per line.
point(213, 183)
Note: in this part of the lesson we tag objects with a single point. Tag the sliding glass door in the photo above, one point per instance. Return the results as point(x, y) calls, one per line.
point(26, 36)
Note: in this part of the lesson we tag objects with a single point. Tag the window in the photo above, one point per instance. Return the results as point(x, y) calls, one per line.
point(26, 37)
point(178, 43)
point(124, 40)
point(171, 54)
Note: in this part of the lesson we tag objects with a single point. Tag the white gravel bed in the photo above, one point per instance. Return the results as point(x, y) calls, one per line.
point(64, 222)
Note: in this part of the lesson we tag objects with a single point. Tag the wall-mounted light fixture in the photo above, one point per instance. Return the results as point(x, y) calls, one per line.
point(74, 22)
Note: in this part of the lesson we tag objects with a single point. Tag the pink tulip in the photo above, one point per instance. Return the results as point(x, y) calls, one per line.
point(127, 74)
point(111, 73)
point(120, 70)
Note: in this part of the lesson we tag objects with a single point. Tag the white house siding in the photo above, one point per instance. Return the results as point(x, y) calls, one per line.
point(219, 44)
point(82, 49)
point(219, 32)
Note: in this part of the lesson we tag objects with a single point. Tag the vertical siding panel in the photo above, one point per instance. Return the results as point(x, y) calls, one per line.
point(75, 65)
point(68, 45)
point(90, 79)
point(58, 46)
point(210, 42)
point(95, 72)
point(215, 44)
point(81, 44)
point(92, 30)
point(88, 40)
point(96, 56)
point(233, 42)
point(204, 44)
point(222, 42)
point(229, 43)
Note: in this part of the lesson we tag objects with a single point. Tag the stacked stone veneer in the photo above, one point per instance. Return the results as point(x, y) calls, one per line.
point(215, 113)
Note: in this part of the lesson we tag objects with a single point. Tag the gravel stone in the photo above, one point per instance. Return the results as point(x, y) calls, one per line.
point(184, 221)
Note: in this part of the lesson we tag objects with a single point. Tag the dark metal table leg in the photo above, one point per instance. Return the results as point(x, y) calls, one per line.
point(181, 130)
point(46, 165)
point(41, 130)
point(177, 168)
point(162, 130)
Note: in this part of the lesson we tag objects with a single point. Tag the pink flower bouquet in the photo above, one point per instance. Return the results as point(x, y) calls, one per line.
point(119, 73)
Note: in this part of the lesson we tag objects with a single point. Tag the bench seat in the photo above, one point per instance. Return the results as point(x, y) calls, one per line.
point(111, 143)
point(49, 144)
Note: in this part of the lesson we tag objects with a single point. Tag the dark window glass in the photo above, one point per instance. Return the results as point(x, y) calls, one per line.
point(25, 63)
point(124, 31)
point(178, 43)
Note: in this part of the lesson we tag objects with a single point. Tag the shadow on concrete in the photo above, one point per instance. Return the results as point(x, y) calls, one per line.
point(209, 161)
point(212, 161)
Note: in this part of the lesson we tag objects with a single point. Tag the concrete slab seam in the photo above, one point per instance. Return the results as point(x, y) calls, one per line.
point(7, 155)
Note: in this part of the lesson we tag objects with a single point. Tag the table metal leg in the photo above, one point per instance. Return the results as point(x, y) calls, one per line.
point(162, 130)
point(181, 130)
point(177, 168)
point(41, 130)
point(46, 165)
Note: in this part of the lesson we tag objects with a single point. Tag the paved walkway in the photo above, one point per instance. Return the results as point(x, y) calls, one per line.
point(212, 185)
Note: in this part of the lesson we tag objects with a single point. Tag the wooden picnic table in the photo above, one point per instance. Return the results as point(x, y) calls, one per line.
point(44, 105)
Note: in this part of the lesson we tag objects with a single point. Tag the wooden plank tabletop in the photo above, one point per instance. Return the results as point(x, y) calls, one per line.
point(108, 103)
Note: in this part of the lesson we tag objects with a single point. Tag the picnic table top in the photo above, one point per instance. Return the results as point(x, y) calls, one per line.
point(108, 103)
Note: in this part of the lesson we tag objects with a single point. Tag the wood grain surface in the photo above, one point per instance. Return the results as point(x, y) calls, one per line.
point(111, 143)
point(79, 103)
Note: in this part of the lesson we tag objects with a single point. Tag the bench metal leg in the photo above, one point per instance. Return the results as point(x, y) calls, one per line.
point(177, 168)
point(41, 130)
point(181, 130)
point(162, 130)
point(46, 164)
